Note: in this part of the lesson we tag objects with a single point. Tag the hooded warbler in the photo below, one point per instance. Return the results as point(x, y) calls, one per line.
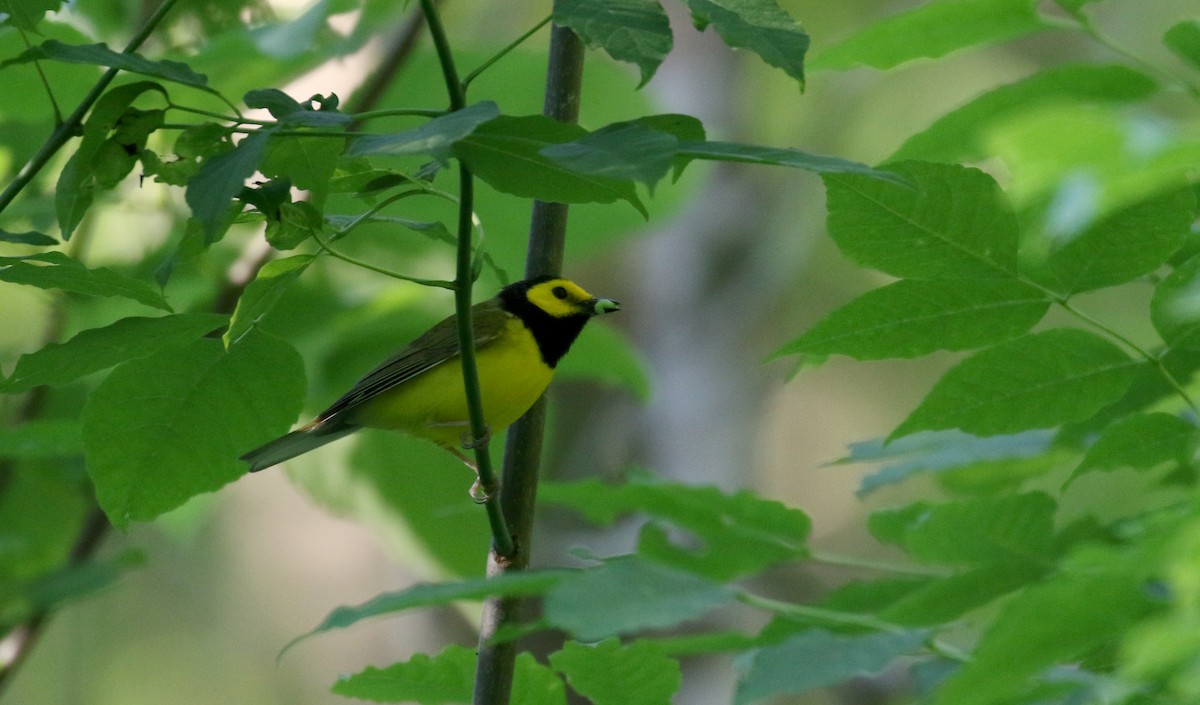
point(519, 338)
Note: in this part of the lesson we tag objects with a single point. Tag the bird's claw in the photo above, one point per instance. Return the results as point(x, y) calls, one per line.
point(470, 443)
point(480, 494)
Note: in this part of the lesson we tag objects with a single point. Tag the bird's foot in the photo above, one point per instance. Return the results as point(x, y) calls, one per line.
point(480, 494)
point(471, 443)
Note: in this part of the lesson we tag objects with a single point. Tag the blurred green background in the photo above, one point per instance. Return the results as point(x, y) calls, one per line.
point(731, 264)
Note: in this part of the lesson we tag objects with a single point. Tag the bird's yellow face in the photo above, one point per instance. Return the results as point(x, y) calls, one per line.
point(562, 298)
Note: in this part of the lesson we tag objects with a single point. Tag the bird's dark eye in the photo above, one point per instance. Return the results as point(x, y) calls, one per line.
point(559, 292)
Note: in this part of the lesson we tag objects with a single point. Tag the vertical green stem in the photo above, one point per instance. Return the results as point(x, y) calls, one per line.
point(522, 455)
point(502, 539)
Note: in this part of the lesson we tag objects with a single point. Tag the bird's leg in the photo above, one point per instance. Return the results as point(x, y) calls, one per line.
point(479, 493)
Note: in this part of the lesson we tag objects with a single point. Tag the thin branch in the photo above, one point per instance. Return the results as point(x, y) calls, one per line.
point(37, 65)
point(504, 52)
point(71, 125)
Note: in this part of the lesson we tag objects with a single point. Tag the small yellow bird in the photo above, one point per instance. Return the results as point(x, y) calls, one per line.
point(519, 338)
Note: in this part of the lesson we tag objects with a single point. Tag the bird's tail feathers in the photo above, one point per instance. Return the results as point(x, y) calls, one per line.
point(295, 443)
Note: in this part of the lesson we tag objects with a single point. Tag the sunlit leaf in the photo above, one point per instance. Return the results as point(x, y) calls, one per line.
point(1008, 528)
point(1058, 621)
point(910, 318)
point(1175, 308)
point(950, 222)
point(1140, 441)
point(1128, 244)
point(1039, 380)
point(959, 134)
point(931, 30)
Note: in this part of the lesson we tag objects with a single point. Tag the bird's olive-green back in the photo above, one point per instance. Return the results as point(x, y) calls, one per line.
point(435, 346)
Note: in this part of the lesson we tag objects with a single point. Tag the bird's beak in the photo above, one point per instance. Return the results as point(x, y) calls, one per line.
point(599, 306)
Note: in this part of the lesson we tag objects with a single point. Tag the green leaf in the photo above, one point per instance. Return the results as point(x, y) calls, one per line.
point(603, 355)
point(953, 222)
point(1007, 528)
point(40, 438)
point(1128, 244)
point(96, 349)
point(535, 684)
point(448, 677)
point(1141, 441)
point(27, 238)
point(645, 149)
point(1039, 380)
point(78, 181)
point(945, 451)
point(308, 162)
point(596, 604)
point(910, 318)
point(634, 31)
point(296, 223)
point(611, 674)
point(1058, 621)
point(782, 156)
point(819, 658)
point(513, 584)
point(164, 428)
point(261, 294)
point(760, 26)
point(1175, 307)
point(741, 533)
point(26, 14)
point(101, 55)
point(1184, 39)
point(273, 100)
point(960, 134)
point(434, 138)
point(946, 599)
point(624, 150)
point(211, 191)
point(506, 153)
point(930, 31)
point(55, 270)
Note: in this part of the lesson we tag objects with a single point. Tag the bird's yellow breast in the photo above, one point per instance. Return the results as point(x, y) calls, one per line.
point(433, 404)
